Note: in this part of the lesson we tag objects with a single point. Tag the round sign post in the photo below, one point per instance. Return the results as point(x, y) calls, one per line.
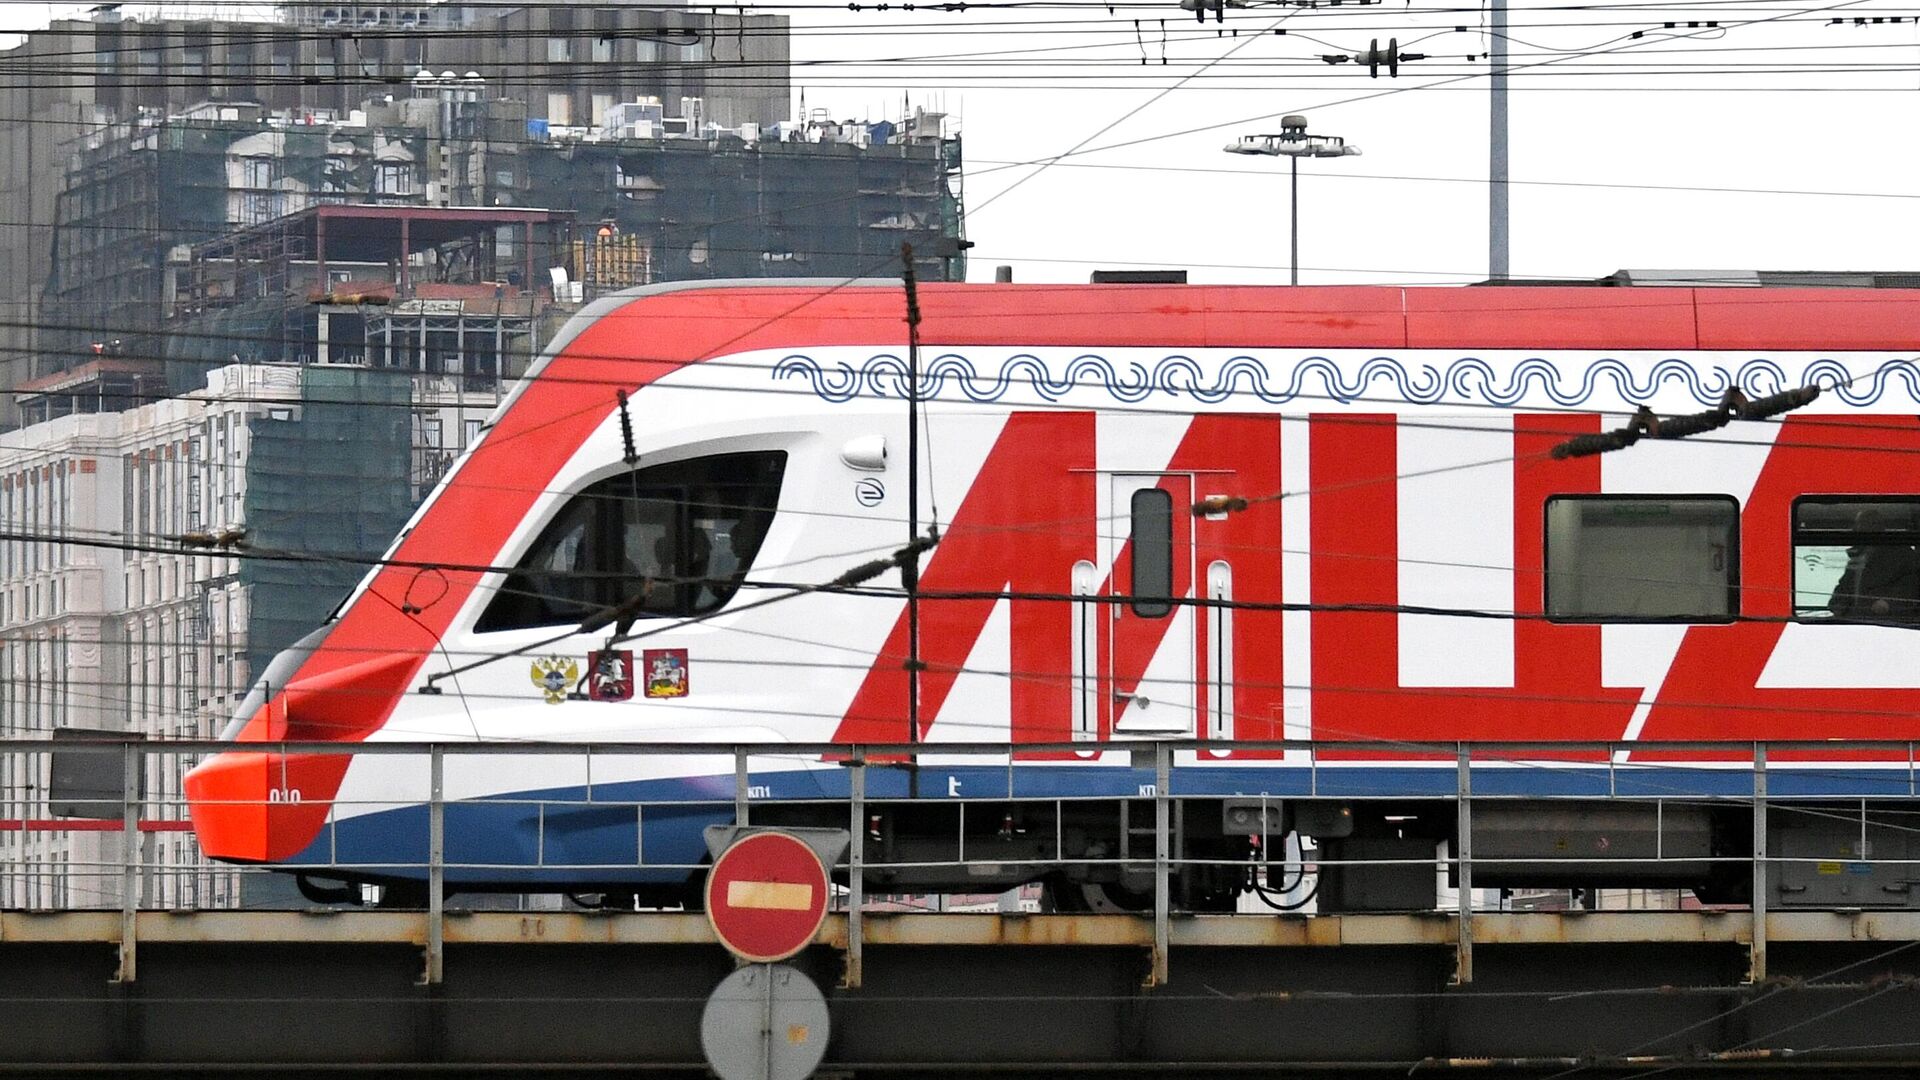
point(765, 1022)
point(767, 896)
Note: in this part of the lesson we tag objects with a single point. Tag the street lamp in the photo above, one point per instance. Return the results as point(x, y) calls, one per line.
point(1294, 142)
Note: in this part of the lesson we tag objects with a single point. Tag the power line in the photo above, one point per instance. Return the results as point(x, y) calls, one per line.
point(1724, 1014)
point(856, 589)
point(1476, 181)
point(1066, 524)
point(1377, 95)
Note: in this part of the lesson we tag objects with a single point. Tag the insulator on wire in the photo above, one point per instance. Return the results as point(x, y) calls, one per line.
point(908, 555)
point(626, 430)
point(623, 612)
point(1679, 427)
point(1617, 439)
point(1589, 445)
point(1775, 404)
point(1733, 405)
point(1219, 504)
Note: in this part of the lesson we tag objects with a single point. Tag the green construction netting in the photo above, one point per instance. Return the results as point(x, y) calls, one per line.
point(331, 479)
point(249, 333)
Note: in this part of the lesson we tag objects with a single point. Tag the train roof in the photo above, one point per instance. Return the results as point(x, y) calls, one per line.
point(731, 317)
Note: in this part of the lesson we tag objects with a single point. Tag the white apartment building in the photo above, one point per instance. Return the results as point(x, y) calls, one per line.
point(114, 630)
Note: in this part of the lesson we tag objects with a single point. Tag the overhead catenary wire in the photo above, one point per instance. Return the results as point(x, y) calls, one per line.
point(76, 538)
point(1733, 405)
point(195, 546)
point(709, 363)
point(859, 588)
point(1665, 757)
point(1328, 733)
point(1121, 119)
point(235, 547)
point(846, 581)
point(143, 37)
point(250, 34)
point(1394, 91)
point(910, 564)
point(1764, 994)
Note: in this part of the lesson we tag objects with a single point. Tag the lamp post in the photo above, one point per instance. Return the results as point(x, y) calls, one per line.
point(1294, 142)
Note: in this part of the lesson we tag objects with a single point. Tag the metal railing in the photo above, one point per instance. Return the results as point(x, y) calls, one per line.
point(135, 850)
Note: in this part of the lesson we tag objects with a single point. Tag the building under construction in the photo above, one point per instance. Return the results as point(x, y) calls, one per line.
point(64, 87)
point(163, 220)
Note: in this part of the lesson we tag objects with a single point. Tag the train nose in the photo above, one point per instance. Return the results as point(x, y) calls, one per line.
point(227, 796)
point(262, 807)
point(269, 806)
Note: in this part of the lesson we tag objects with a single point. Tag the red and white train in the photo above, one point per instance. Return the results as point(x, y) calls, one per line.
point(1411, 566)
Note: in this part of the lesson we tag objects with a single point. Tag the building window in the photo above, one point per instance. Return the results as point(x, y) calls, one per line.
point(1151, 540)
point(683, 544)
point(393, 178)
point(1857, 558)
point(602, 105)
point(602, 50)
point(473, 432)
point(430, 432)
point(559, 50)
point(1643, 557)
point(559, 109)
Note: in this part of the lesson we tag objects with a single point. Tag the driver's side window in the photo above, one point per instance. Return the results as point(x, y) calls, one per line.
point(682, 535)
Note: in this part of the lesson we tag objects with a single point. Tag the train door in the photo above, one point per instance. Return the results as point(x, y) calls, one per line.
point(1150, 684)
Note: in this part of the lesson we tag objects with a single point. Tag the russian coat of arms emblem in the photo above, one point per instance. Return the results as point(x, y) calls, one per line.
point(555, 676)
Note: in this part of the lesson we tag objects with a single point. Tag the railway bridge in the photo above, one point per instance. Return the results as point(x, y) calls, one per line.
point(1601, 993)
point(1408, 956)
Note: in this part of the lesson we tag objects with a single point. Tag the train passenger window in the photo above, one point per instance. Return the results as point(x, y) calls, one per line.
point(1152, 541)
point(682, 535)
point(1857, 558)
point(1655, 558)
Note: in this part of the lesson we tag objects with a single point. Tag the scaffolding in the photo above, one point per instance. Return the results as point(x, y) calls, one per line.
point(434, 290)
point(729, 207)
point(357, 253)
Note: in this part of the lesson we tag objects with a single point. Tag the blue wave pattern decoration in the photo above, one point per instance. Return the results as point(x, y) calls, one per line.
point(1468, 380)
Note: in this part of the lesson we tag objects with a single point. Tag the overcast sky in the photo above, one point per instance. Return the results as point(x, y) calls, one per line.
point(1819, 116)
point(1820, 108)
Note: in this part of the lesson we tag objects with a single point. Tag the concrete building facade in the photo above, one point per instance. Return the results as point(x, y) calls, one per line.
point(135, 636)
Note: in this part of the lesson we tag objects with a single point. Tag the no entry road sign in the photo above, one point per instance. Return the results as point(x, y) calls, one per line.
point(767, 896)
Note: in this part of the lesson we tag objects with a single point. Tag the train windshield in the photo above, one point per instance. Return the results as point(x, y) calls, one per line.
point(680, 536)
